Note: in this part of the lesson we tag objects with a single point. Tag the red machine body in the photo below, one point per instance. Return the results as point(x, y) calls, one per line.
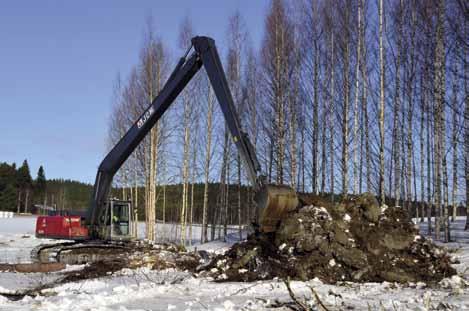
point(61, 227)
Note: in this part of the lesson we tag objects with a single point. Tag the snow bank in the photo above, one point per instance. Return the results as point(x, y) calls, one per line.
point(4, 214)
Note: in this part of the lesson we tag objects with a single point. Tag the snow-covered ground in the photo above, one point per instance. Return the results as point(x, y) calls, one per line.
point(144, 289)
point(459, 244)
point(17, 237)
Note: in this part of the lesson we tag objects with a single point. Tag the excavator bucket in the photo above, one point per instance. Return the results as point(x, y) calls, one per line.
point(274, 202)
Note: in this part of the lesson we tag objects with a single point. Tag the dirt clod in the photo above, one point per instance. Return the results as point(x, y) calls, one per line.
point(355, 240)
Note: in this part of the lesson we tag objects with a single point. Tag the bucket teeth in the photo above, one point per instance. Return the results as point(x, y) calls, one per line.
point(274, 202)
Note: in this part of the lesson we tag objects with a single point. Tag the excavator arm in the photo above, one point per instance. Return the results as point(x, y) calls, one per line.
point(204, 54)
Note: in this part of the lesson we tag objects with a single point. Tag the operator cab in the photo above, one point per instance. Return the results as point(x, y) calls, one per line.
point(117, 220)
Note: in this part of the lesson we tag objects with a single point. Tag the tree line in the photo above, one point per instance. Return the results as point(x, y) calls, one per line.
point(18, 190)
point(341, 97)
point(20, 193)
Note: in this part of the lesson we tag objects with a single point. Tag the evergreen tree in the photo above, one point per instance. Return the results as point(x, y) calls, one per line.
point(24, 176)
point(7, 175)
point(24, 182)
point(7, 186)
point(40, 186)
point(40, 182)
point(8, 198)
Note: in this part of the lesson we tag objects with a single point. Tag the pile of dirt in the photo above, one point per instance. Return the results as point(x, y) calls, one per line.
point(355, 240)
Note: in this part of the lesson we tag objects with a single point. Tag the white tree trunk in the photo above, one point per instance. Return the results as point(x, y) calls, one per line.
point(381, 104)
point(356, 111)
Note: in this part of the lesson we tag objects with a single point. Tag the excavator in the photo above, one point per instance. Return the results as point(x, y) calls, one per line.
point(107, 227)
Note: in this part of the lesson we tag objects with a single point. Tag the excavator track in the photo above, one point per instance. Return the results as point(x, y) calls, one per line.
point(79, 252)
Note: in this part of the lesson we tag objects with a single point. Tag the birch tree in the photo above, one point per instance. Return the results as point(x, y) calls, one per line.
point(397, 125)
point(439, 119)
point(381, 101)
point(311, 32)
point(356, 165)
point(251, 99)
point(185, 35)
point(152, 67)
point(344, 44)
point(466, 120)
point(208, 147)
point(236, 37)
point(276, 60)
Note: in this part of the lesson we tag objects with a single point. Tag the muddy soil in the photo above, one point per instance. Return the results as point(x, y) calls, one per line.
point(355, 240)
point(32, 267)
point(141, 254)
point(155, 257)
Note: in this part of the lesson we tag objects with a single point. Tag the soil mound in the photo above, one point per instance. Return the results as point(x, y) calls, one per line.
point(355, 240)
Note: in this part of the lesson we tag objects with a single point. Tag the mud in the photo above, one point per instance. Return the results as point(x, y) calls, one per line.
point(355, 240)
point(153, 256)
point(32, 267)
point(94, 270)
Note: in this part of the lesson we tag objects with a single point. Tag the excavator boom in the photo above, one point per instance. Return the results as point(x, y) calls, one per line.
point(274, 200)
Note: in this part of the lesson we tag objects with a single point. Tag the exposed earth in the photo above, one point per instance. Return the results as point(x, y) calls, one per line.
point(353, 255)
point(354, 240)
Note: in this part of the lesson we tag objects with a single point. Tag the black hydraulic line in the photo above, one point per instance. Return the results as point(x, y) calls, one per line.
point(181, 62)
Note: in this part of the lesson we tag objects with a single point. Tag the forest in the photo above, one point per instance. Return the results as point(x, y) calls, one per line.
point(341, 97)
point(21, 193)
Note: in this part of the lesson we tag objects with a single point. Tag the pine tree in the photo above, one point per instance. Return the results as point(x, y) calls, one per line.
point(7, 186)
point(24, 181)
point(40, 185)
point(41, 180)
point(8, 198)
point(24, 175)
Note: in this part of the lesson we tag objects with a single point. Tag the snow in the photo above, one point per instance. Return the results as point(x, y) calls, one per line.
point(4, 214)
point(454, 282)
point(347, 218)
point(17, 239)
point(322, 213)
point(144, 289)
point(459, 246)
point(169, 232)
point(18, 225)
point(172, 290)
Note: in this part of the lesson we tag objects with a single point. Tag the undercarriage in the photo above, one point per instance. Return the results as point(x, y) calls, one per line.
point(80, 252)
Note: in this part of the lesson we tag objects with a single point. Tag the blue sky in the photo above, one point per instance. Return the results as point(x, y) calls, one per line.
point(58, 62)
